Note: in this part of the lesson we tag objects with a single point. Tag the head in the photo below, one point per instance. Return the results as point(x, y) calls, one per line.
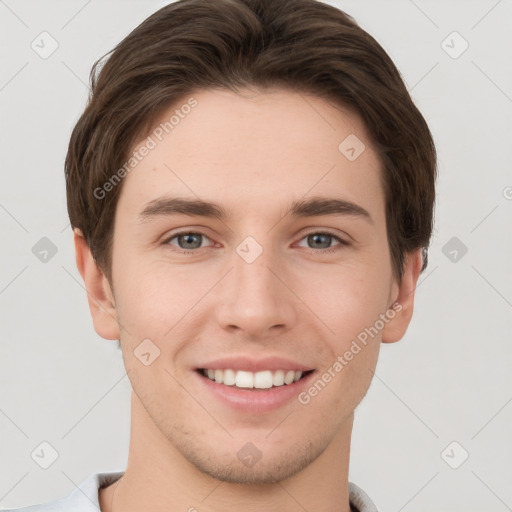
point(287, 125)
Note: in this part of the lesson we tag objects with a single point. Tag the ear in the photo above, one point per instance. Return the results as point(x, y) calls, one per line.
point(403, 297)
point(99, 293)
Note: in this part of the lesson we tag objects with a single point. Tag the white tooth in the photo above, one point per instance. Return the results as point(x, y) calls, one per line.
point(263, 380)
point(278, 378)
point(244, 379)
point(288, 378)
point(229, 377)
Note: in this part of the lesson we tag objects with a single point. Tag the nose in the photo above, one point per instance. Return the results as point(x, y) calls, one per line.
point(256, 297)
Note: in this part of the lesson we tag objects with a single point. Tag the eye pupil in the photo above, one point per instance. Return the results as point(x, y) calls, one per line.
point(189, 237)
point(316, 239)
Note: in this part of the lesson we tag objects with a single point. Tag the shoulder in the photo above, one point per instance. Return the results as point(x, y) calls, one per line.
point(359, 500)
point(83, 499)
point(52, 506)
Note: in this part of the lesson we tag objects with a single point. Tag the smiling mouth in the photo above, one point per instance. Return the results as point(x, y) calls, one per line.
point(262, 380)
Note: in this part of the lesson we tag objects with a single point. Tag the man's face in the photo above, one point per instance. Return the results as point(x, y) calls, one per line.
point(260, 283)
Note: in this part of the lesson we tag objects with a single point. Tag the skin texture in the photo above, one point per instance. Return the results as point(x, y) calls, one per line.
point(252, 153)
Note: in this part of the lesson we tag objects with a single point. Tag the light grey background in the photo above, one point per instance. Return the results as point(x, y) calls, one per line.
point(448, 380)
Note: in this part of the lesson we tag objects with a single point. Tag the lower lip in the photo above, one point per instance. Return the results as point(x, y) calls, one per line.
point(255, 400)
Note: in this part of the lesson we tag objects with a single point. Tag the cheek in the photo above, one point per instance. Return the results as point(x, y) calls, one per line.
point(339, 387)
point(350, 304)
point(152, 298)
point(347, 299)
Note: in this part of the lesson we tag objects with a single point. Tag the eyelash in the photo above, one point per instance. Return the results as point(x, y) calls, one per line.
point(342, 242)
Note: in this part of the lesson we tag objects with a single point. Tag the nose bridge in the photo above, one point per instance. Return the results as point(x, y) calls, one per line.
point(253, 298)
point(254, 278)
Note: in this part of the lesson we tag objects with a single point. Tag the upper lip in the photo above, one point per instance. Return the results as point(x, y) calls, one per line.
point(250, 364)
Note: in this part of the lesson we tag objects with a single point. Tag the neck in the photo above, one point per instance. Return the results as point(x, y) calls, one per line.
point(159, 478)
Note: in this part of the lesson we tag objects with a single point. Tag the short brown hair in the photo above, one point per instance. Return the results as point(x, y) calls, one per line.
point(304, 45)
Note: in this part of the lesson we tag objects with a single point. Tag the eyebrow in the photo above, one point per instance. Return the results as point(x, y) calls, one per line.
point(315, 206)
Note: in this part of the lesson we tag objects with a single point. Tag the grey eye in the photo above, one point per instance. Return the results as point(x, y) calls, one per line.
point(320, 240)
point(188, 240)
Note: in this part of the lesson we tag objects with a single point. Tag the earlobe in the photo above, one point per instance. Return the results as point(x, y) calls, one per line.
point(399, 321)
point(99, 293)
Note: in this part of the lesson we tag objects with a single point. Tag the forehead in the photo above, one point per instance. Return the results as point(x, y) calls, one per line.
point(255, 149)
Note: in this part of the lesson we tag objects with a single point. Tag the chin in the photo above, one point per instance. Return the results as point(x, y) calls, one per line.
point(252, 466)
